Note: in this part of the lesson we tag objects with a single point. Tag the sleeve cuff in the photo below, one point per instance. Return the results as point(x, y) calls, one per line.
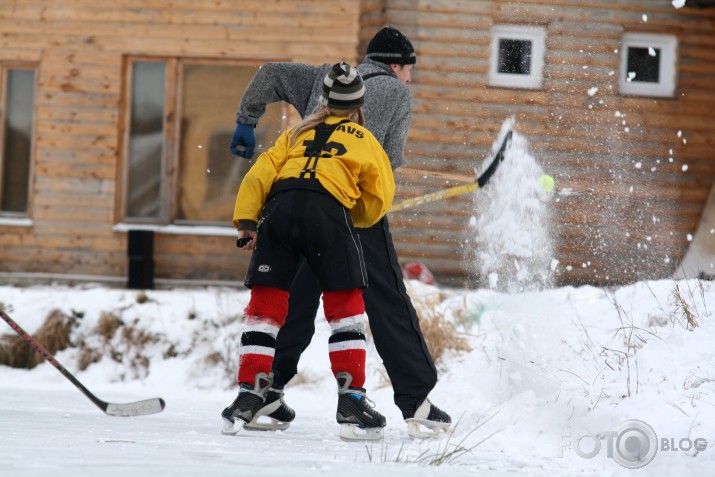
point(245, 121)
point(246, 224)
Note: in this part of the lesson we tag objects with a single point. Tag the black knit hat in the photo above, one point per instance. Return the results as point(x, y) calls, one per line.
point(342, 87)
point(389, 46)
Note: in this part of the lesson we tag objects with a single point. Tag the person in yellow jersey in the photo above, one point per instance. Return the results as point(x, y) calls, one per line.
point(303, 198)
point(386, 71)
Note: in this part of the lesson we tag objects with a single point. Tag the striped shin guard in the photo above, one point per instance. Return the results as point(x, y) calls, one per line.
point(345, 312)
point(265, 314)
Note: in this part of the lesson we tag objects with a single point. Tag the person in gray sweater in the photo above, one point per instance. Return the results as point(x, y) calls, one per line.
point(395, 326)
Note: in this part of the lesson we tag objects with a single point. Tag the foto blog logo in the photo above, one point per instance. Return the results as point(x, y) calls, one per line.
point(633, 445)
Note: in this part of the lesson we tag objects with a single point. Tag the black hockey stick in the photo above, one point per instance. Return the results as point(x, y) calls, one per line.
point(460, 189)
point(139, 408)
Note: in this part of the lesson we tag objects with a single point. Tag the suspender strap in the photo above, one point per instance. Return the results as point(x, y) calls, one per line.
point(372, 75)
point(315, 147)
point(322, 133)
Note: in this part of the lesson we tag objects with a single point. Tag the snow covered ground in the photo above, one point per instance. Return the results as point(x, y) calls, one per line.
point(560, 382)
point(547, 371)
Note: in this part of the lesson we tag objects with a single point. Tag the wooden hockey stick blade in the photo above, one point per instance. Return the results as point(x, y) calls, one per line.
point(139, 408)
point(481, 181)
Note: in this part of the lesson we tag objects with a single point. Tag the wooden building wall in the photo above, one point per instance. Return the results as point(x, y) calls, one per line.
point(615, 234)
point(80, 45)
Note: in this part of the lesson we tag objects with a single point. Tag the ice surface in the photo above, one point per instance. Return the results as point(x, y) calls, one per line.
point(547, 367)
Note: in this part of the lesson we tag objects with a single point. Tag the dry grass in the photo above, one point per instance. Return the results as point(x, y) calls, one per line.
point(444, 451)
point(54, 335)
point(686, 313)
point(688, 309)
point(132, 348)
point(440, 332)
point(108, 325)
point(124, 343)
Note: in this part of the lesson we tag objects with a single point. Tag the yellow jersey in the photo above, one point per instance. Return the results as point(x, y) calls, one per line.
point(353, 168)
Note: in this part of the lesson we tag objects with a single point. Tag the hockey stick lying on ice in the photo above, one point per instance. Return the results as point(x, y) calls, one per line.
point(460, 189)
point(139, 408)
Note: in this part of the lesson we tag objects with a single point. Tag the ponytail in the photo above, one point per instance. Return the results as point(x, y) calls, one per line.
point(321, 112)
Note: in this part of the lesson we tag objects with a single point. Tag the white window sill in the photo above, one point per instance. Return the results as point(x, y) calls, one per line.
point(537, 37)
point(8, 222)
point(665, 86)
point(178, 229)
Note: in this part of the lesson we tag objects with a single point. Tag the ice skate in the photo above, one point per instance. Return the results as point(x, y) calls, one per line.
point(428, 421)
point(358, 419)
point(279, 415)
point(246, 405)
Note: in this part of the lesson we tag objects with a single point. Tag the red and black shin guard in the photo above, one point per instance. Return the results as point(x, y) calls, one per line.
point(345, 311)
point(265, 314)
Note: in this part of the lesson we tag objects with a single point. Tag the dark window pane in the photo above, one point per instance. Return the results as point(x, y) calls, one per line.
point(645, 65)
point(514, 57)
point(20, 95)
point(146, 140)
point(209, 175)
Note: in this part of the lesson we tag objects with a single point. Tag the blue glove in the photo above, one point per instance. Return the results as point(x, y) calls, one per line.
point(244, 140)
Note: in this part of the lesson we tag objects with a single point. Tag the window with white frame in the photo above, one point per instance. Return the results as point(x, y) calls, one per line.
point(180, 118)
point(648, 64)
point(17, 106)
point(517, 56)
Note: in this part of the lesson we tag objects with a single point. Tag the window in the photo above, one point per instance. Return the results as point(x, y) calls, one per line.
point(517, 56)
point(17, 101)
point(180, 120)
point(648, 65)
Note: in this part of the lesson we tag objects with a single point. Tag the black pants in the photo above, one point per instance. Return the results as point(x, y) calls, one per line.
point(393, 322)
point(306, 226)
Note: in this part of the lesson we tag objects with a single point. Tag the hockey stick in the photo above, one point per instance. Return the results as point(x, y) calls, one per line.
point(409, 171)
point(139, 408)
point(438, 175)
point(461, 189)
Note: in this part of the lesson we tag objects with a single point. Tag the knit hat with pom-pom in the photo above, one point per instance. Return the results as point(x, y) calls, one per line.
point(342, 87)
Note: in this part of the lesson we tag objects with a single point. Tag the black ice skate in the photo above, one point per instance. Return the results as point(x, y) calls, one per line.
point(246, 405)
point(356, 414)
point(428, 416)
point(279, 414)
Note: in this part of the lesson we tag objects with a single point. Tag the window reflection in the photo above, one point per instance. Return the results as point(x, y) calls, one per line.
point(209, 175)
point(514, 57)
point(644, 64)
point(17, 148)
point(146, 139)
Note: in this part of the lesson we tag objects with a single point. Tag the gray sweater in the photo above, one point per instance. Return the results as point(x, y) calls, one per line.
point(387, 108)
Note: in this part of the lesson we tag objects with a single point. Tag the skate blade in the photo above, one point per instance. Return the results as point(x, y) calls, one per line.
point(351, 432)
point(424, 429)
point(232, 428)
point(271, 425)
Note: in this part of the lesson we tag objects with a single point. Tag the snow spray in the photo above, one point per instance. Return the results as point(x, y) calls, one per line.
point(514, 248)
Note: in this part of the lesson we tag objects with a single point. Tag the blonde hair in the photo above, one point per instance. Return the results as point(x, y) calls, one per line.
point(321, 112)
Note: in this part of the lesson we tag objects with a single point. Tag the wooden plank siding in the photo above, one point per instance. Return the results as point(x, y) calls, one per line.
point(79, 47)
point(633, 225)
point(620, 234)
